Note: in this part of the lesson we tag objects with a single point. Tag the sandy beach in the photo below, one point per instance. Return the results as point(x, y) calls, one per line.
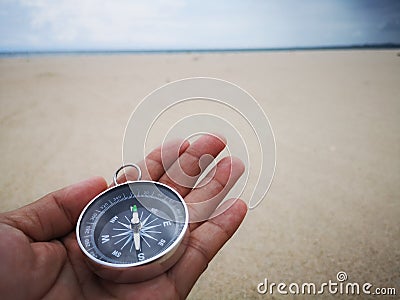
point(334, 204)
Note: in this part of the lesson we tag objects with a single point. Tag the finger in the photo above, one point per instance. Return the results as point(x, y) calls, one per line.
point(203, 244)
point(55, 214)
point(203, 201)
point(157, 161)
point(184, 172)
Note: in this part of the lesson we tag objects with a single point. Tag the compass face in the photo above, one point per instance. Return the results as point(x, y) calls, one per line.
point(132, 224)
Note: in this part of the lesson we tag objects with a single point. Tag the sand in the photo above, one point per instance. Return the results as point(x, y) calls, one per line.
point(334, 204)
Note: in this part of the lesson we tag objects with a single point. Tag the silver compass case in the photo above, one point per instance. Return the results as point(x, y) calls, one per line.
point(133, 231)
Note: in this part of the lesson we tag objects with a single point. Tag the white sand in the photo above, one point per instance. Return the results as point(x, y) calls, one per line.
point(334, 204)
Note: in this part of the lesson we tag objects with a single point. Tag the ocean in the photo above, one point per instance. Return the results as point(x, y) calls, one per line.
point(24, 53)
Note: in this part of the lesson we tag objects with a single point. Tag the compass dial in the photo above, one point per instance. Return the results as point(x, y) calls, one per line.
point(132, 224)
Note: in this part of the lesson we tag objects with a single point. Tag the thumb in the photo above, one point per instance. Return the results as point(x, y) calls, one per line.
point(55, 214)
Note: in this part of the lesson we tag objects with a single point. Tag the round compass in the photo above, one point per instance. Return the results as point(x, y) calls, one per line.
point(133, 231)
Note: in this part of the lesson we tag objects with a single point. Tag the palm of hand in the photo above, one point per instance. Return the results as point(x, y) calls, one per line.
point(41, 258)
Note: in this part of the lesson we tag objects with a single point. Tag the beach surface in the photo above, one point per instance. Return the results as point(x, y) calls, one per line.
point(334, 204)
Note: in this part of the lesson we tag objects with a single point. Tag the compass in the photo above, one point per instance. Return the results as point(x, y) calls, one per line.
point(133, 231)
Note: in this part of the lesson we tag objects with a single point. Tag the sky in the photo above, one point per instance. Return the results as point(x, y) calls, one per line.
point(196, 24)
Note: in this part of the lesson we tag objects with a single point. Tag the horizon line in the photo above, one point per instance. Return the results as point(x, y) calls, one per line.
point(16, 52)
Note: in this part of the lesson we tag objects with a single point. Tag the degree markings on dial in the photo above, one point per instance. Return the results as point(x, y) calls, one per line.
point(124, 197)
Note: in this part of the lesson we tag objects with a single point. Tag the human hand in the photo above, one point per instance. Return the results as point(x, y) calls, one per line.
point(41, 257)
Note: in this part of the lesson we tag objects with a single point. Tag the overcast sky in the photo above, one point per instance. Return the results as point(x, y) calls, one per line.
point(199, 24)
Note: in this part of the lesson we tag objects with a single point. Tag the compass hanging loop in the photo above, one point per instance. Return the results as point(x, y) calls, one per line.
point(139, 176)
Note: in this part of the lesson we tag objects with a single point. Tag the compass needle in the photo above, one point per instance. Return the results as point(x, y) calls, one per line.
point(136, 238)
point(136, 225)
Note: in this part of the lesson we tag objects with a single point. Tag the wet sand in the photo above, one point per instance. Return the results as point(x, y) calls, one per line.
point(334, 204)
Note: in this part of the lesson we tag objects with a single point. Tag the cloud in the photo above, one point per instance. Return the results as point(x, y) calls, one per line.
point(98, 23)
point(174, 24)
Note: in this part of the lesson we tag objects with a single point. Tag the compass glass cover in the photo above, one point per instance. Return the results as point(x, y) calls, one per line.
point(132, 224)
